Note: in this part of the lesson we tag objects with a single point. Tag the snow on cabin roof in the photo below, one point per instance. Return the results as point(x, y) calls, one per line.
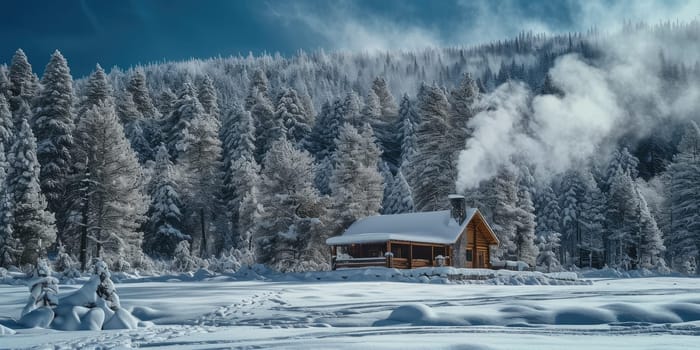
point(426, 227)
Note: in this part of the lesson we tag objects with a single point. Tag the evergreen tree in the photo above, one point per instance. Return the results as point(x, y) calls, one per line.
point(683, 185)
point(53, 127)
point(25, 217)
point(22, 83)
point(244, 181)
point(202, 179)
point(592, 243)
point(115, 203)
point(497, 199)
point(290, 235)
point(572, 191)
point(165, 226)
point(267, 127)
point(139, 92)
point(463, 110)
point(5, 85)
point(258, 85)
point(186, 110)
point(408, 119)
point(6, 124)
point(526, 248)
point(325, 130)
point(249, 213)
point(97, 91)
point(356, 185)
point(134, 124)
point(291, 112)
point(401, 198)
point(622, 220)
point(165, 102)
point(351, 111)
point(432, 171)
point(208, 97)
point(548, 246)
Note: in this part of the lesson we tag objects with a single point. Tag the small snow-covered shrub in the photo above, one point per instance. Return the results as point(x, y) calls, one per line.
point(43, 291)
point(66, 264)
point(183, 260)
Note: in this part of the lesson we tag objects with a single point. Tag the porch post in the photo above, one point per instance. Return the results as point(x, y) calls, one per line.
point(410, 256)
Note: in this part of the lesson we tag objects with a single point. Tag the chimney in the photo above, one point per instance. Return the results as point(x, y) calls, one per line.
point(459, 208)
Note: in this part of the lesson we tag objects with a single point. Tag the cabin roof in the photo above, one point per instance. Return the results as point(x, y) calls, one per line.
point(425, 227)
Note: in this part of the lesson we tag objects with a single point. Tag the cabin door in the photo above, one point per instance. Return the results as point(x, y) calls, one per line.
point(481, 258)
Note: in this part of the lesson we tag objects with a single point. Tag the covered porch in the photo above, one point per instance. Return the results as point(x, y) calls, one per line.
point(403, 255)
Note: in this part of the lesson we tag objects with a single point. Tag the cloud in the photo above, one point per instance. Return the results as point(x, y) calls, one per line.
point(344, 26)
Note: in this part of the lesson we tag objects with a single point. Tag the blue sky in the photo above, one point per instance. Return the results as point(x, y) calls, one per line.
point(129, 32)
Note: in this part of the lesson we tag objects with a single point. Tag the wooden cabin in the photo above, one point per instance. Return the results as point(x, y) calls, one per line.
point(459, 237)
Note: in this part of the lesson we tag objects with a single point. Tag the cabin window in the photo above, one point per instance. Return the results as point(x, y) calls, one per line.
point(470, 254)
point(422, 252)
point(400, 251)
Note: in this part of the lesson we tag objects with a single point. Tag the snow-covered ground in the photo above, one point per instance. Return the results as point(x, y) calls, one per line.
point(633, 313)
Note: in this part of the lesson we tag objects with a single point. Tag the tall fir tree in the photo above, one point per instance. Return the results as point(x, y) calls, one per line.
point(432, 171)
point(356, 185)
point(26, 222)
point(53, 127)
point(526, 247)
point(290, 110)
point(401, 197)
point(6, 124)
point(23, 83)
point(683, 204)
point(186, 110)
point(268, 128)
point(258, 85)
point(201, 168)
point(290, 234)
point(115, 203)
point(207, 95)
point(165, 226)
point(139, 92)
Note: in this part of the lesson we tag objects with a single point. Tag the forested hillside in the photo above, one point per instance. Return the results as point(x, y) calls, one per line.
point(582, 150)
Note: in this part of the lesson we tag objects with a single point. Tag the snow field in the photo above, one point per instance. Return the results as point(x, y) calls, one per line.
point(641, 313)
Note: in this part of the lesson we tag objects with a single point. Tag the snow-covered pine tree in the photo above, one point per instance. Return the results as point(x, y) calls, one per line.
point(622, 211)
point(572, 192)
point(621, 160)
point(165, 226)
point(249, 213)
point(432, 170)
point(43, 293)
point(352, 111)
point(22, 83)
point(202, 180)
point(208, 97)
point(5, 90)
point(547, 211)
point(325, 130)
point(592, 217)
point(290, 111)
point(116, 203)
point(683, 185)
point(97, 92)
point(165, 102)
point(258, 85)
point(650, 245)
point(356, 185)
point(526, 248)
point(497, 199)
point(53, 127)
point(289, 231)
point(462, 101)
point(177, 126)
point(6, 124)
point(401, 198)
point(183, 260)
point(268, 128)
point(134, 123)
point(409, 144)
point(548, 245)
point(245, 178)
point(29, 220)
point(139, 92)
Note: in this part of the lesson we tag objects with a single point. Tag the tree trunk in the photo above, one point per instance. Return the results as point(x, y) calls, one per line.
point(203, 246)
point(83, 237)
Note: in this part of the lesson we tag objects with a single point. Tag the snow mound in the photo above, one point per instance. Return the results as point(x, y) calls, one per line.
point(5, 331)
point(412, 313)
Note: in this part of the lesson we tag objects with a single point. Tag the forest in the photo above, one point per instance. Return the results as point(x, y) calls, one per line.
point(582, 150)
